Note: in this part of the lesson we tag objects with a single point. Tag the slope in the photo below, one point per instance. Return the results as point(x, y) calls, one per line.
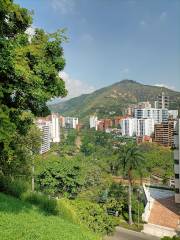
point(22, 221)
point(113, 100)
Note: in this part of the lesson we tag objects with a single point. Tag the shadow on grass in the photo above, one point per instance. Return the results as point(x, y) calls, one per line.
point(9, 204)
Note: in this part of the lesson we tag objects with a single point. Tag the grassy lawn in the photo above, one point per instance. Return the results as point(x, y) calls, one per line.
point(23, 221)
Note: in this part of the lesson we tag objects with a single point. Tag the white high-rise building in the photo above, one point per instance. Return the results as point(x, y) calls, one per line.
point(55, 128)
point(158, 115)
point(145, 127)
point(71, 122)
point(177, 161)
point(46, 137)
point(93, 122)
point(129, 127)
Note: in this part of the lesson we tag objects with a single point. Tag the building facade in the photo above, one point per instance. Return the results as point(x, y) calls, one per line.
point(129, 127)
point(145, 127)
point(177, 161)
point(158, 115)
point(71, 122)
point(163, 133)
point(163, 101)
point(44, 127)
point(93, 122)
point(55, 128)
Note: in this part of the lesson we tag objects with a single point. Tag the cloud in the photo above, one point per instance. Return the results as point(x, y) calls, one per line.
point(75, 87)
point(163, 16)
point(87, 37)
point(64, 6)
point(124, 72)
point(143, 23)
point(164, 85)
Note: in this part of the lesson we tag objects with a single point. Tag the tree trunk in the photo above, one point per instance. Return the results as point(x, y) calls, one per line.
point(130, 202)
point(33, 177)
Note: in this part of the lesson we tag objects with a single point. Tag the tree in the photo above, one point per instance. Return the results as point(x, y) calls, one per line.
point(29, 76)
point(130, 159)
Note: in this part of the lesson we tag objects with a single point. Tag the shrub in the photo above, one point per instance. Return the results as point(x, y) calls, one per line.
point(169, 238)
point(12, 186)
point(47, 204)
point(93, 216)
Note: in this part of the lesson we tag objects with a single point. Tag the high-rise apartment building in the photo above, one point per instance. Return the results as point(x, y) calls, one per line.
point(55, 128)
point(177, 161)
point(163, 101)
point(71, 122)
point(129, 127)
point(46, 137)
point(93, 122)
point(158, 115)
point(163, 133)
point(145, 127)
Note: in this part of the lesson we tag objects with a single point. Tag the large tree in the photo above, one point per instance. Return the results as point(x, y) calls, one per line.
point(29, 76)
point(130, 159)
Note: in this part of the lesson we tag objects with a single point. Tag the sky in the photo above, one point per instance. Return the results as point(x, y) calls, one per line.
point(112, 40)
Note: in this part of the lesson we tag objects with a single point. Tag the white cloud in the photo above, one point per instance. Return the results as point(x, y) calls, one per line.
point(64, 6)
point(87, 37)
point(143, 23)
point(75, 87)
point(164, 85)
point(163, 16)
point(124, 72)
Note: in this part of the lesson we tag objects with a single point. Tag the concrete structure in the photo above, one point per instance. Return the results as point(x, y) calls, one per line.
point(163, 101)
point(173, 114)
point(54, 128)
point(93, 122)
point(145, 127)
point(46, 138)
point(163, 133)
point(177, 161)
point(156, 104)
point(131, 108)
point(71, 122)
point(158, 115)
point(129, 127)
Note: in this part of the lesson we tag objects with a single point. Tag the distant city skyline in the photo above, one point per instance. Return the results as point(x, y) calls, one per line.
point(112, 40)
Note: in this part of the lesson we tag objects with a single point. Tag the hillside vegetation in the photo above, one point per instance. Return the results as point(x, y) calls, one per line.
point(112, 100)
point(23, 221)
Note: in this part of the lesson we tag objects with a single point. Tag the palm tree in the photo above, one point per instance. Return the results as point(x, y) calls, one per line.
point(130, 159)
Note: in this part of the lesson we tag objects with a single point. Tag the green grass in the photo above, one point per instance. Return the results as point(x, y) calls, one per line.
point(23, 221)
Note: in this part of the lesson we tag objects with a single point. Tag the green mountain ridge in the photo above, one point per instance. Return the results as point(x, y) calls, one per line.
point(113, 100)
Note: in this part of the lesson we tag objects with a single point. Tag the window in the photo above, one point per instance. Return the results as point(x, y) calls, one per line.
point(176, 175)
point(176, 190)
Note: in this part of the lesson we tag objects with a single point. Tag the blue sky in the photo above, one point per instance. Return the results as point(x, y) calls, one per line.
point(111, 40)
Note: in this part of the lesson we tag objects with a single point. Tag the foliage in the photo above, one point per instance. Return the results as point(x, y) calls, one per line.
point(12, 187)
point(169, 238)
point(23, 221)
point(61, 177)
point(159, 159)
point(93, 216)
point(29, 70)
point(47, 204)
point(114, 98)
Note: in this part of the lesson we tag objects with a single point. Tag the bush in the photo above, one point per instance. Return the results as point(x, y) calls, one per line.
point(48, 205)
point(93, 216)
point(12, 187)
point(169, 238)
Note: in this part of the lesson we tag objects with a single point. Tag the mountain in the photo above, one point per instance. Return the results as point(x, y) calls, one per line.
point(113, 100)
